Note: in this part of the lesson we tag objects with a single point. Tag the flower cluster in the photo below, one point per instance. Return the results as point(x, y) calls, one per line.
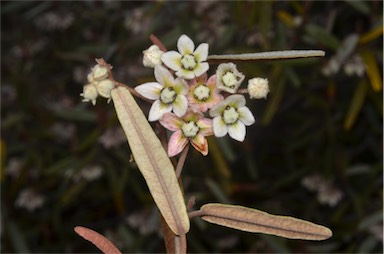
point(98, 84)
point(192, 104)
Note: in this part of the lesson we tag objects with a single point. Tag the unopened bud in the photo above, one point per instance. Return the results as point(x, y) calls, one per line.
point(99, 72)
point(89, 93)
point(258, 88)
point(104, 87)
point(152, 56)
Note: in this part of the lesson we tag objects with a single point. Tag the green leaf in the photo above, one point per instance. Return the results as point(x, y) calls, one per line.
point(323, 36)
point(372, 70)
point(152, 161)
point(356, 104)
point(256, 221)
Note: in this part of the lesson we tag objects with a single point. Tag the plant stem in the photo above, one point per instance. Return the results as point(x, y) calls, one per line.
point(180, 163)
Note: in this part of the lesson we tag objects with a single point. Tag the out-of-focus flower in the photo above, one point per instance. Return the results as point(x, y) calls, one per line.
point(329, 194)
point(258, 88)
point(136, 21)
point(112, 137)
point(50, 21)
point(192, 127)
point(354, 65)
point(377, 231)
point(313, 182)
point(228, 77)
point(188, 63)
point(146, 221)
point(152, 56)
point(231, 116)
point(91, 173)
point(63, 131)
point(29, 199)
point(14, 167)
point(169, 94)
point(89, 93)
point(203, 94)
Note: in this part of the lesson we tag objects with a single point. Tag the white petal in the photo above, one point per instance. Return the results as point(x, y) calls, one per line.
point(236, 100)
point(246, 116)
point(237, 131)
point(201, 53)
point(180, 105)
point(157, 110)
point(200, 69)
point(186, 74)
point(219, 127)
point(218, 109)
point(149, 90)
point(172, 59)
point(185, 45)
point(163, 76)
point(180, 86)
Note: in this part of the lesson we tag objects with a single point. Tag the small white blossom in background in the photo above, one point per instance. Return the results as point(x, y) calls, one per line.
point(332, 67)
point(355, 65)
point(14, 167)
point(51, 21)
point(136, 21)
point(327, 193)
point(29, 199)
point(146, 221)
point(258, 88)
point(63, 131)
point(228, 77)
point(113, 137)
point(91, 173)
point(152, 56)
point(231, 116)
point(188, 63)
point(168, 93)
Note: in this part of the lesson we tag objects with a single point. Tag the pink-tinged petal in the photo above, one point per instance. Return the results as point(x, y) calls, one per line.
point(211, 82)
point(246, 116)
point(236, 100)
point(186, 74)
point(180, 105)
point(163, 76)
point(205, 125)
point(199, 142)
point(171, 121)
point(201, 53)
point(237, 131)
point(172, 59)
point(157, 110)
point(201, 68)
point(149, 90)
point(185, 45)
point(180, 86)
point(219, 127)
point(176, 143)
point(218, 109)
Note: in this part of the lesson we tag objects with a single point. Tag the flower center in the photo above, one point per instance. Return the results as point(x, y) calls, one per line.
point(201, 93)
point(188, 62)
point(230, 115)
point(190, 129)
point(229, 79)
point(167, 95)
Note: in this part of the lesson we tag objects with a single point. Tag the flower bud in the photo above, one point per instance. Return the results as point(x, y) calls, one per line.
point(258, 88)
point(104, 88)
point(89, 93)
point(152, 56)
point(99, 72)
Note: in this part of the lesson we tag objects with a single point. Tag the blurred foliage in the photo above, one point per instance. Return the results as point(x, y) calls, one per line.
point(323, 116)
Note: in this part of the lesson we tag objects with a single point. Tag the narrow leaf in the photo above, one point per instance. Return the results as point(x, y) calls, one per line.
point(356, 104)
point(152, 161)
point(272, 55)
point(97, 239)
point(255, 221)
point(372, 71)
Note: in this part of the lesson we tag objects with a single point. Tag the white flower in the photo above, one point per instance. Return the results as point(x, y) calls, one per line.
point(188, 63)
point(231, 116)
point(228, 77)
point(169, 94)
point(89, 93)
point(29, 199)
point(152, 56)
point(258, 88)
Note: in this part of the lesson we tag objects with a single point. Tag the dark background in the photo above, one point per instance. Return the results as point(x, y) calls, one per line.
point(314, 123)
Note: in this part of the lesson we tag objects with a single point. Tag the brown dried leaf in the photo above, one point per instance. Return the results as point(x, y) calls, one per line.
point(152, 161)
point(97, 239)
point(255, 221)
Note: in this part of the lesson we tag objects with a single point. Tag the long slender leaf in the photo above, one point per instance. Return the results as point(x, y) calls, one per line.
point(372, 71)
point(97, 239)
point(252, 220)
point(356, 104)
point(152, 161)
